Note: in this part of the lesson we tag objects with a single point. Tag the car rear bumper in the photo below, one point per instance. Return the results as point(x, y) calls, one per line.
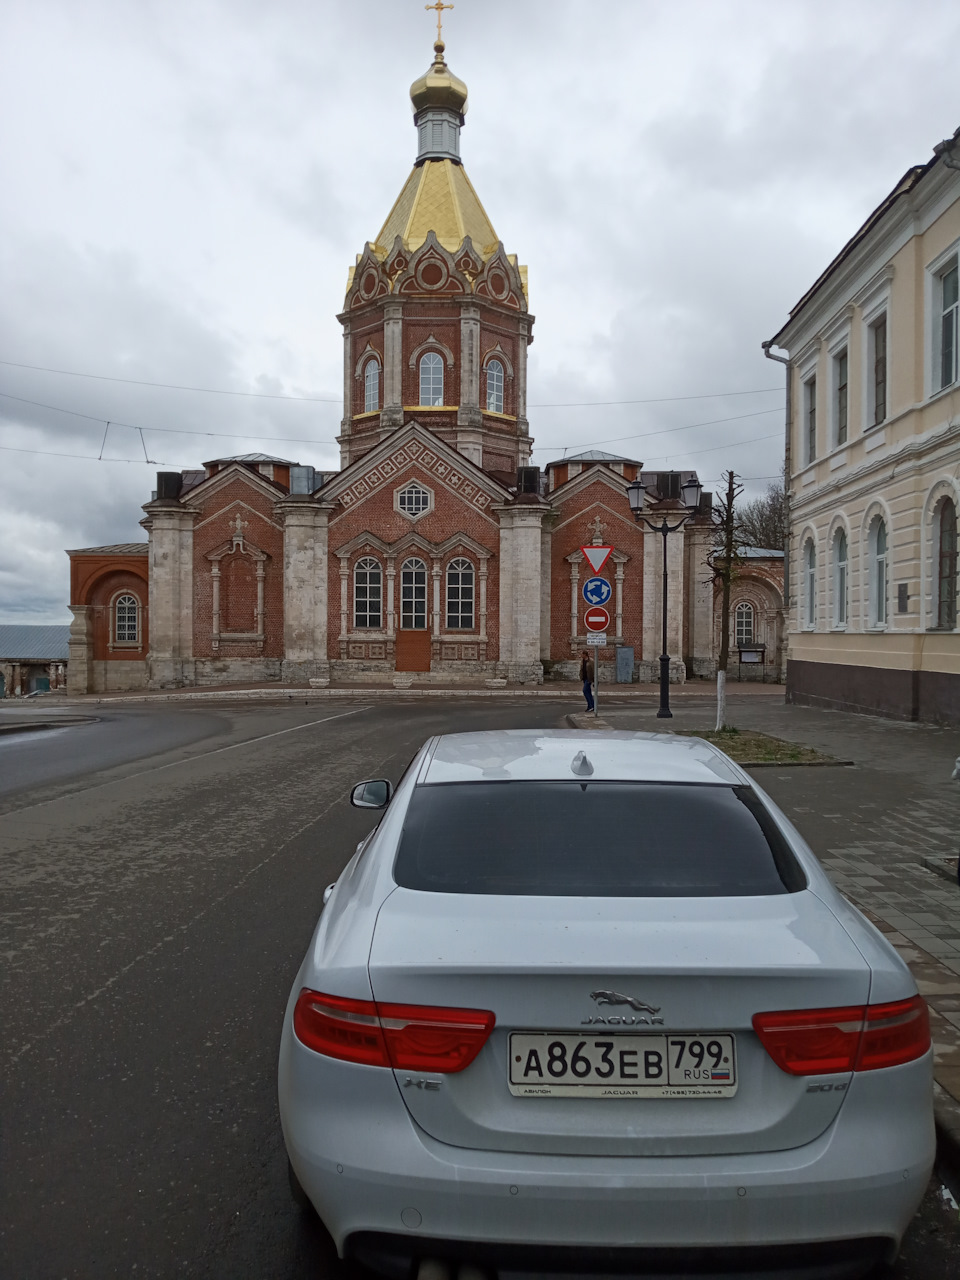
point(371, 1172)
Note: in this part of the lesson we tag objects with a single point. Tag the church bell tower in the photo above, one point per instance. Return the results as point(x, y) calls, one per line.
point(435, 320)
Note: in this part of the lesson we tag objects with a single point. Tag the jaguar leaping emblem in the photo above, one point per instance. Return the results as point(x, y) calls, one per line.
point(616, 997)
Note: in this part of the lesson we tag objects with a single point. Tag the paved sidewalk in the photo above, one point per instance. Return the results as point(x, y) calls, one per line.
point(887, 830)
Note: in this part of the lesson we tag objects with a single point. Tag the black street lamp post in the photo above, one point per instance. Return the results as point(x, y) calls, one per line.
point(637, 496)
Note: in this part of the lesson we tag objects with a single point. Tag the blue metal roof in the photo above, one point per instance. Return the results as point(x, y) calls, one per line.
point(22, 643)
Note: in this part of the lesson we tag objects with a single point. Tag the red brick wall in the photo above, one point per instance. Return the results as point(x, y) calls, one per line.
point(100, 592)
point(450, 515)
point(238, 583)
point(624, 536)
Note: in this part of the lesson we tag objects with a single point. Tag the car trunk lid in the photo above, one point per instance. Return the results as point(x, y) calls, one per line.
point(560, 965)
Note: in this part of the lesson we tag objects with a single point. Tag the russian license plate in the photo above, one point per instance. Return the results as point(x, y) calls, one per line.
point(556, 1064)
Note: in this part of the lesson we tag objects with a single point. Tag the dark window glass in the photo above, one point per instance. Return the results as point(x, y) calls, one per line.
point(842, 398)
point(947, 567)
point(880, 371)
point(594, 840)
point(811, 419)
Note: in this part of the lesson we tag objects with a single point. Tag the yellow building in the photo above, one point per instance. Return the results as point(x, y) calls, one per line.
point(873, 460)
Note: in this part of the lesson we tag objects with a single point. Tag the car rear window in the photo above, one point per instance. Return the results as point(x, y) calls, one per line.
point(593, 839)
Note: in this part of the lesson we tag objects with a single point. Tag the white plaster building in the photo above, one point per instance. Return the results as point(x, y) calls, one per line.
point(873, 459)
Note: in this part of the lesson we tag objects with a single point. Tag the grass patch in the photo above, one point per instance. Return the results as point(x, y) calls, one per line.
point(747, 747)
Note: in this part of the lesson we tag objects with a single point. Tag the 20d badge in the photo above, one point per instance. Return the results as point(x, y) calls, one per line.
point(557, 1064)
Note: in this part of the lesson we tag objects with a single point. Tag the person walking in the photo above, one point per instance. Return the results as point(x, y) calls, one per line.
point(586, 677)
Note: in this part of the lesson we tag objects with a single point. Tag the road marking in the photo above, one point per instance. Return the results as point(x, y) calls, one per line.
point(180, 929)
point(173, 764)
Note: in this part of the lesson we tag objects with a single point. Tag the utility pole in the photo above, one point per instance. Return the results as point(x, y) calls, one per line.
point(724, 570)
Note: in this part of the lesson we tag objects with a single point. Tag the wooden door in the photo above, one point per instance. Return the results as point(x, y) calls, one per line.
point(413, 635)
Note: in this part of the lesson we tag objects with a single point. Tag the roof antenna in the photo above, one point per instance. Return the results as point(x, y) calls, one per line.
point(581, 766)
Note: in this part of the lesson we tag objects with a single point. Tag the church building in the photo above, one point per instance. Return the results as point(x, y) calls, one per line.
point(436, 550)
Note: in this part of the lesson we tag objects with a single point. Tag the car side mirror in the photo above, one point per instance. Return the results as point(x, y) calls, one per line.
point(373, 794)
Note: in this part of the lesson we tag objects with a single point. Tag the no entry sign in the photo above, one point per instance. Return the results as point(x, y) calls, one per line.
point(596, 618)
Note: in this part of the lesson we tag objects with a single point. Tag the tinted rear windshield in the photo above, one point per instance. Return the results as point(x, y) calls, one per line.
point(593, 839)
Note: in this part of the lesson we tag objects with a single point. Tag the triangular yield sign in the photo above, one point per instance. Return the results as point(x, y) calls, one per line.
point(596, 556)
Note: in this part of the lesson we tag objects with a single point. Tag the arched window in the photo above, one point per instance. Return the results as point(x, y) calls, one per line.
point(371, 386)
point(126, 620)
point(431, 378)
point(744, 623)
point(810, 586)
point(878, 574)
point(368, 594)
point(494, 387)
point(840, 579)
point(947, 567)
point(460, 595)
point(413, 595)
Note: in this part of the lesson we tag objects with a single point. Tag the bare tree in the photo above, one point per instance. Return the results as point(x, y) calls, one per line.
point(762, 521)
point(725, 563)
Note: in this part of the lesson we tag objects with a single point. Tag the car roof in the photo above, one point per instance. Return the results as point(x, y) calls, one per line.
point(525, 754)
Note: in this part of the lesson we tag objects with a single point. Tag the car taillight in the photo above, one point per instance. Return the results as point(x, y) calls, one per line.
point(408, 1037)
point(813, 1042)
point(894, 1033)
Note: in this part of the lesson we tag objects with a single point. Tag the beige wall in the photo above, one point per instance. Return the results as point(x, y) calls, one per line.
point(897, 471)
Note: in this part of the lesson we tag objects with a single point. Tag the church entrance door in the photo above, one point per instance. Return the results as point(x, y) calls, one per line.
point(413, 637)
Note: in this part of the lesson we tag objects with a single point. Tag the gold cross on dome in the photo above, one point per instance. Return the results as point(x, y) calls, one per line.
point(439, 8)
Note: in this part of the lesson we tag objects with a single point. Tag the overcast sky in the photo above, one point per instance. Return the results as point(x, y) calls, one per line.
point(183, 186)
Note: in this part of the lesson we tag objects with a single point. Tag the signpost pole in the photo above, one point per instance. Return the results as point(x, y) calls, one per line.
point(596, 683)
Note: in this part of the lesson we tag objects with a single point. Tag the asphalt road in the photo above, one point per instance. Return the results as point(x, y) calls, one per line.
point(161, 873)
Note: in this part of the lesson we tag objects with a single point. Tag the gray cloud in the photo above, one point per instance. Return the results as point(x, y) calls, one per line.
point(186, 187)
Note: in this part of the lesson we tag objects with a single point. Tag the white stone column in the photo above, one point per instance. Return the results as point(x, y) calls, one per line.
point(574, 597)
point(520, 566)
point(483, 602)
point(170, 558)
point(619, 600)
point(80, 652)
point(305, 593)
point(520, 373)
point(391, 414)
point(546, 576)
point(349, 383)
point(469, 410)
point(435, 572)
point(391, 598)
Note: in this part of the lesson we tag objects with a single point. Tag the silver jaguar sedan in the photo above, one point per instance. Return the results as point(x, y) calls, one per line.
point(586, 1003)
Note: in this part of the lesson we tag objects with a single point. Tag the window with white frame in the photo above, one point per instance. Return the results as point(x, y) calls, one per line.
point(413, 499)
point(494, 386)
point(810, 418)
point(371, 386)
point(367, 594)
point(810, 584)
point(413, 595)
point(840, 578)
point(744, 624)
point(840, 364)
point(877, 543)
point(126, 620)
point(431, 378)
point(947, 566)
point(948, 317)
point(877, 362)
point(459, 595)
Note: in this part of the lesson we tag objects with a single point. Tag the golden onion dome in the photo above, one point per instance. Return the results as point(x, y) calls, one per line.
point(438, 87)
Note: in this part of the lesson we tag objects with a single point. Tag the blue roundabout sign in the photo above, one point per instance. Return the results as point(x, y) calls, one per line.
point(597, 591)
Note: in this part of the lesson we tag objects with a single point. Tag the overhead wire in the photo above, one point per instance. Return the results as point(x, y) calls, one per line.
point(265, 395)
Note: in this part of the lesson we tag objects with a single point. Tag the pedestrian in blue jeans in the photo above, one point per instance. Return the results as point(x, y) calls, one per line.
point(586, 675)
